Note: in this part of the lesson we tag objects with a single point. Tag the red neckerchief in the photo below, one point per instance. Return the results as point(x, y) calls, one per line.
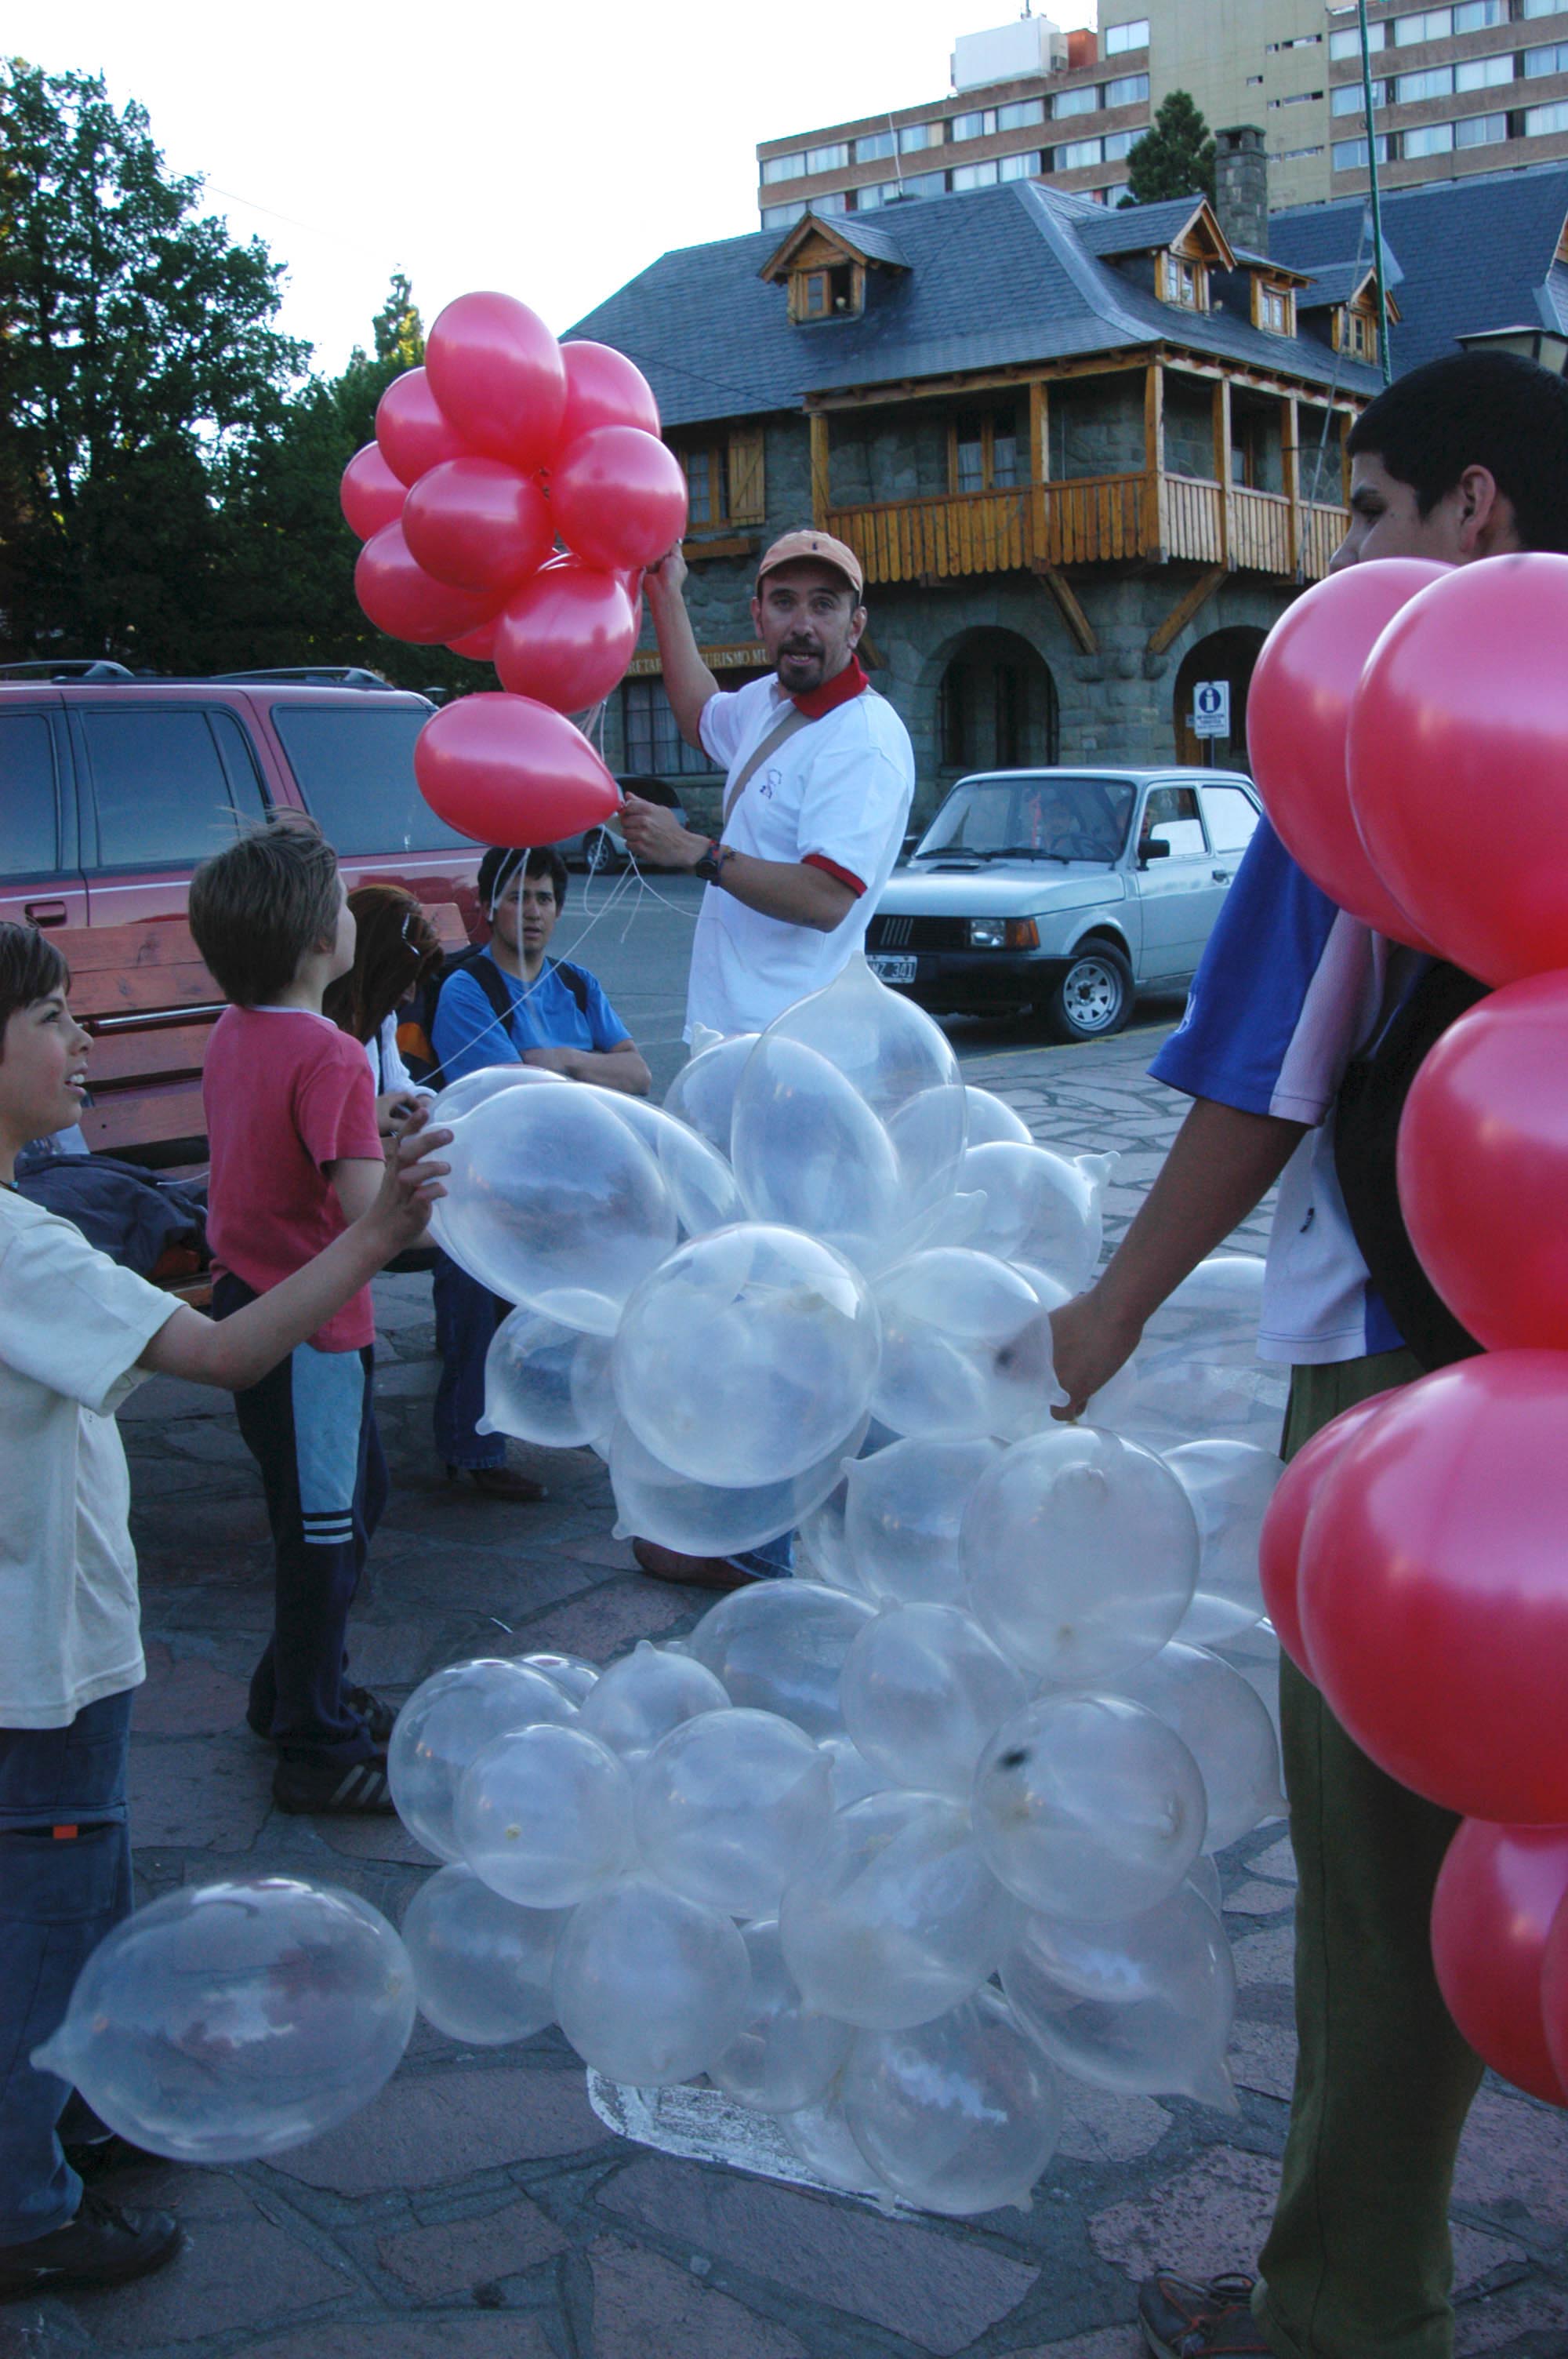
point(849, 683)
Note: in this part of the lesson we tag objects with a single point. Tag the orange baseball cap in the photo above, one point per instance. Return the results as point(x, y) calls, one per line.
point(819, 544)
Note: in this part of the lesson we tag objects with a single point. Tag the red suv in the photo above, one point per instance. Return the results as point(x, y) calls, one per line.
point(113, 787)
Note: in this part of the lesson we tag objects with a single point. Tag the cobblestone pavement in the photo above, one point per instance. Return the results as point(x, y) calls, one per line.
point(478, 2209)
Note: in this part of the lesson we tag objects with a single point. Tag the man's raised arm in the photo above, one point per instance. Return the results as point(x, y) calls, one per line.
point(688, 683)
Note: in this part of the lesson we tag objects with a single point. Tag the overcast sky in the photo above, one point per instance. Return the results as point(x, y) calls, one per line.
point(549, 151)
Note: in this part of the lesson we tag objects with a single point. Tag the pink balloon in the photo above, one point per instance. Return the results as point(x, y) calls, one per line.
point(497, 372)
point(406, 601)
point(478, 645)
point(1498, 1891)
point(370, 493)
point(1554, 1993)
point(603, 388)
point(567, 636)
point(411, 428)
point(505, 770)
point(618, 497)
point(1298, 721)
point(479, 525)
point(1282, 1537)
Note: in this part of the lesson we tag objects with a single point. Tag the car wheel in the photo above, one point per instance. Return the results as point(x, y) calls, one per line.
point(1094, 998)
point(599, 855)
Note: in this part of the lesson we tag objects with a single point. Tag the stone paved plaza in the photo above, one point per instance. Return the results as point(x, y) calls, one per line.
point(478, 2209)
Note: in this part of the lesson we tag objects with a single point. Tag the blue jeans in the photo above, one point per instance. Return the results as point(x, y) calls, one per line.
point(65, 1882)
point(467, 1316)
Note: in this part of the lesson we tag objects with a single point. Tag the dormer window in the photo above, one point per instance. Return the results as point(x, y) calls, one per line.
point(1184, 282)
point(1356, 332)
point(1273, 307)
point(833, 292)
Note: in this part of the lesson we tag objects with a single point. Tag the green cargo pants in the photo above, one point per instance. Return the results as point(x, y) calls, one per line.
point(1359, 2264)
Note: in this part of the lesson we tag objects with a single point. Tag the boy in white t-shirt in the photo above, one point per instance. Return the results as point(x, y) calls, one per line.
point(77, 1334)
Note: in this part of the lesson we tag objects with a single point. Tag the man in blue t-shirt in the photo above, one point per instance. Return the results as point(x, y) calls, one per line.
point(559, 1018)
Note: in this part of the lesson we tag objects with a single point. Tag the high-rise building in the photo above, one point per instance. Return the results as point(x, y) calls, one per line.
point(1473, 86)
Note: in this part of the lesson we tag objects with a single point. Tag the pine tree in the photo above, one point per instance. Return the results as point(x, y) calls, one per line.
point(1174, 158)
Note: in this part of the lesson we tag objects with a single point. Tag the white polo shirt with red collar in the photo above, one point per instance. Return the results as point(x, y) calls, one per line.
point(835, 794)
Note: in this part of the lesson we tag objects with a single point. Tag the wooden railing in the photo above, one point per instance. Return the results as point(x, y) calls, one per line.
point(1089, 520)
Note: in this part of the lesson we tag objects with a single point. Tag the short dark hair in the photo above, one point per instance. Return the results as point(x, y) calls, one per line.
point(1495, 410)
point(30, 968)
point(396, 948)
point(501, 864)
point(256, 908)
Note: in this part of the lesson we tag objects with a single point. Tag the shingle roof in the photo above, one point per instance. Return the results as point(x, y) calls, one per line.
point(1335, 282)
point(1108, 229)
point(995, 278)
point(1465, 255)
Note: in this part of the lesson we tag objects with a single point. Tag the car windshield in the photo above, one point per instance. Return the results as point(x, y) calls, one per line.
point(355, 765)
point(1043, 815)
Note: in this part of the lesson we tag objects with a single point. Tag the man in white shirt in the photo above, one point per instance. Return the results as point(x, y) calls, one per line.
point(819, 778)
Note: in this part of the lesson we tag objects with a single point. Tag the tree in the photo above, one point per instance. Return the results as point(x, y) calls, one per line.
point(140, 357)
point(1174, 158)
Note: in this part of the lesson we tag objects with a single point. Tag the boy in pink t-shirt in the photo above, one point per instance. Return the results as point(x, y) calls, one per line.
point(296, 1158)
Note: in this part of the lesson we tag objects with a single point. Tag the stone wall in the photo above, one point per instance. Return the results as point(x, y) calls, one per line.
point(1096, 425)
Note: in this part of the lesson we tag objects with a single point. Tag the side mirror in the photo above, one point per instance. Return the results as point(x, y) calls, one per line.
point(1155, 848)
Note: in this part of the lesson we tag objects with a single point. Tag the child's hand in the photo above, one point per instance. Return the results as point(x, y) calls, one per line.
point(393, 1109)
point(410, 1184)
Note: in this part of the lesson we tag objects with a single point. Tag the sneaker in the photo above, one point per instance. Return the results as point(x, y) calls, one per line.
point(377, 1716)
point(102, 2247)
point(1210, 2321)
point(328, 1790)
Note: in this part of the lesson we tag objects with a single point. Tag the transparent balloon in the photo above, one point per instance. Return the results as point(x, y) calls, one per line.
point(898, 1917)
point(923, 1692)
point(1142, 2006)
point(959, 2115)
point(730, 1807)
point(904, 1507)
point(1088, 1806)
point(928, 1133)
point(822, 2138)
point(460, 1097)
point(551, 1201)
point(449, 1720)
point(546, 1382)
point(1231, 1484)
point(1224, 1725)
point(1081, 1554)
point(1196, 1374)
point(746, 1357)
point(703, 1092)
point(232, 2020)
point(571, 1673)
point(654, 1504)
point(853, 1776)
point(481, 1964)
point(779, 1646)
point(649, 1691)
point(951, 1320)
point(650, 1988)
point(992, 1121)
point(1040, 1207)
point(810, 1154)
point(701, 1184)
point(822, 1548)
point(785, 2056)
point(544, 1816)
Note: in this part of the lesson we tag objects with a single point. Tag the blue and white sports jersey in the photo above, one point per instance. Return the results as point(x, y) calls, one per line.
point(1289, 988)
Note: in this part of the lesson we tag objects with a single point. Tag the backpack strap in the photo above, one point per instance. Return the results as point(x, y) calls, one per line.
point(574, 979)
point(492, 983)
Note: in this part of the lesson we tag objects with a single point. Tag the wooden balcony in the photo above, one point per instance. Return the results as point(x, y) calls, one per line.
point(1091, 520)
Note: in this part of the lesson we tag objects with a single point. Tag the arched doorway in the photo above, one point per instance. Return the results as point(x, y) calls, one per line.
point(1229, 656)
point(996, 706)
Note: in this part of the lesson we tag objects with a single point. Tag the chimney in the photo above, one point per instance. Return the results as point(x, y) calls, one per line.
point(1241, 187)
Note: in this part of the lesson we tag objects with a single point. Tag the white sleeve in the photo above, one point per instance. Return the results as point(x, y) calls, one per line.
point(721, 726)
point(72, 1320)
point(854, 813)
point(394, 1074)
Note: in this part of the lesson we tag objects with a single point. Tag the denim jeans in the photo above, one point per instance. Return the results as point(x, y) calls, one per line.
point(467, 1316)
point(65, 1882)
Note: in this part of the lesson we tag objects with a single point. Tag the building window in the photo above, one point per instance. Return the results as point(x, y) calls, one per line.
point(1430, 139)
point(828, 159)
point(915, 136)
point(1539, 121)
point(782, 168)
point(1020, 168)
point(1128, 90)
point(653, 745)
point(1349, 98)
point(1296, 41)
point(1411, 89)
point(1486, 73)
point(923, 184)
point(1078, 153)
point(1133, 35)
point(974, 176)
point(835, 201)
point(1472, 15)
point(707, 482)
point(1480, 130)
point(1292, 155)
point(1118, 144)
point(1426, 24)
point(1350, 155)
point(1084, 100)
point(783, 216)
point(871, 149)
point(1297, 98)
point(826, 294)
point(1542, 7)
point(1183, 283)
point(876, 195)
point(1356, 332)
point(985, 454)
point(1348, 45)
point(1552, 60)
point(1274, 309)
point(979, 125)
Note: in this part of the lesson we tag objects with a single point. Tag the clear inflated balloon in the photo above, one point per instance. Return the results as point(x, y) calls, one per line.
point(951, 1320)
point(232, 2020)
point(928, 1134)
point(1196, 1374)
point(892, 1053)
point(544, 1817)
point(551, 1201)
point(571, 1673)
point(703, 1092)
point(898, 1917)
point(786, 2057)
point(481, 1964)
point(649, 1691)
point(923, 1692)
point(1081, 1553)
point(1088, 1806)
point(779, 1646)
point(853, 1776)
point(701, 1184)
point(650, 1987)
point(959, 2115)
point(1224, 1725)
point(822, 2139)
point(460, 1097)
point(904, 1507)
point(654, 1504)
point(821, 1548)
point(992, 1121)
point(449, 1720)
point(747, 1356)
point(1040, 1207)
point(1142, 2006)
point(546, 1382)
point(730, 1807)
point(809, 1153)
point(1231, 1484)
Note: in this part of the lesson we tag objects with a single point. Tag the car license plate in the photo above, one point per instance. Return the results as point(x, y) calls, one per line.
point(892, 969)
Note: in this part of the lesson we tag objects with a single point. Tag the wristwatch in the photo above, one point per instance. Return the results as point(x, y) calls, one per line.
point(709, 866)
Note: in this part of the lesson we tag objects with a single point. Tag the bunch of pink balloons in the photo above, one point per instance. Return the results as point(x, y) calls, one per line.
point(1406, 725)
point(515, 492)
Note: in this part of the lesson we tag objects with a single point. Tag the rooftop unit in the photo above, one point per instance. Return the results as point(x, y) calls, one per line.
point(1030, 45)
